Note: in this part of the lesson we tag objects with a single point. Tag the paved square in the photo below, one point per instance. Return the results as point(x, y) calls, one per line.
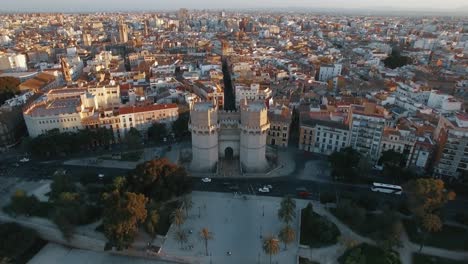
point(237, 225)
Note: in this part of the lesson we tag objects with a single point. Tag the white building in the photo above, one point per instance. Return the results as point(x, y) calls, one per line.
point(329, 71)
point(367, 126)
point(255, 92)
point(13, 62)
point(413, 92)
point(443, 102)
point(323, 133)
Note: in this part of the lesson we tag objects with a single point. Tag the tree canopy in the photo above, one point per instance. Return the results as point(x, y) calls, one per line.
point(159, 179)
point(123, 213)
point(396, 60)
point(345, 164)
point(157, 132)
point(8, 88)
point(180, 126)
point(55, 144)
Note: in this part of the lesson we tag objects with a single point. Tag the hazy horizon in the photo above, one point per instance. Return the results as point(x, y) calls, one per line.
point(113, 5)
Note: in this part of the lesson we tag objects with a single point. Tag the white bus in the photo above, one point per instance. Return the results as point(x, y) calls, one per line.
point(386, 188)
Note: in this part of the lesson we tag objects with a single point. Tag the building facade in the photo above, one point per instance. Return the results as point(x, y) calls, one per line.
point(13, 62)
point(367, 125)
point(451, 135)
point(229, 135)
point(320, 133)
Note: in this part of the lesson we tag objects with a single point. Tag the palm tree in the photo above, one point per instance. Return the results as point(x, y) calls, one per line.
point(287, 235)
point(181, 237)
point(287, 211)
point(206, 235)
point(188, 203)
point(431, 224)
point(271, 246)
point(178, 217)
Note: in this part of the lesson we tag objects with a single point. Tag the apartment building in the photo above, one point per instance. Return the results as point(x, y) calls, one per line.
point(400, 141)
point(323, 132)
point(329, 71)
point(451, 135)
point(280, 123)
point(142, 117)
point(254, 92)
point(13, 62)
point(367, 125)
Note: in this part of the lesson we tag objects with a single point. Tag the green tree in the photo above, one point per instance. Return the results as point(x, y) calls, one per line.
point(426, 198)
point(180, 126)
point(396, 60)
point(206, 236)
point(159, 179)
point(356, 256)
point(22, 204)
point(122, 214)
point(61, 183)
point(431, 223)
point(271, 246)
point(157, 132)
point(287, 235)
point(119, 183)
point(287, 210)
point(133, 138)
point(392, 158)
point(8, 88)
point(344, 164)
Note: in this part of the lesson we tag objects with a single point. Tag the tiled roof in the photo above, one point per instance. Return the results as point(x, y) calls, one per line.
point(139, 109)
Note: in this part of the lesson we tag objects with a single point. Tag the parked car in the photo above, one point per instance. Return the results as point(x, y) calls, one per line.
point(264, 189)
point(206, 180)
point(24, 160)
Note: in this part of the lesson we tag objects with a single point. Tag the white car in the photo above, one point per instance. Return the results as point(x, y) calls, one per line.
point(24, 160)
point(264, 189)
point(100, 176)
point(269, 186)
point(206, 180)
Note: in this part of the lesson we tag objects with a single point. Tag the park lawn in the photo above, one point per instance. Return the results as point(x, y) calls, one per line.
point(365, 229)
point(425, 259)
point(316, 230)
point(450, 237)
point(371, 253)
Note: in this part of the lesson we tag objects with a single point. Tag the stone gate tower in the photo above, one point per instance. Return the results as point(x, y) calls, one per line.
point(204, 127)
point(254, 128)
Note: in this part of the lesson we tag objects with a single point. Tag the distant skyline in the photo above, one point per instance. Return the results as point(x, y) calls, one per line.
point(120, 5)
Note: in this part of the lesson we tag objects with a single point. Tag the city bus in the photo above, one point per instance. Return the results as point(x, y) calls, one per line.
point(386, 188)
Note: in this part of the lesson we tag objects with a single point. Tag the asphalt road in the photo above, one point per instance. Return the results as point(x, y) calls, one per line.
point(281, 187)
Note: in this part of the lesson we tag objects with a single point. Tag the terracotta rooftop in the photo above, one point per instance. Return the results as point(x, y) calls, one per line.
point(139, 109)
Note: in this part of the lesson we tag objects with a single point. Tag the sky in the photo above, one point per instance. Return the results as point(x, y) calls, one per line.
point(111, 5)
